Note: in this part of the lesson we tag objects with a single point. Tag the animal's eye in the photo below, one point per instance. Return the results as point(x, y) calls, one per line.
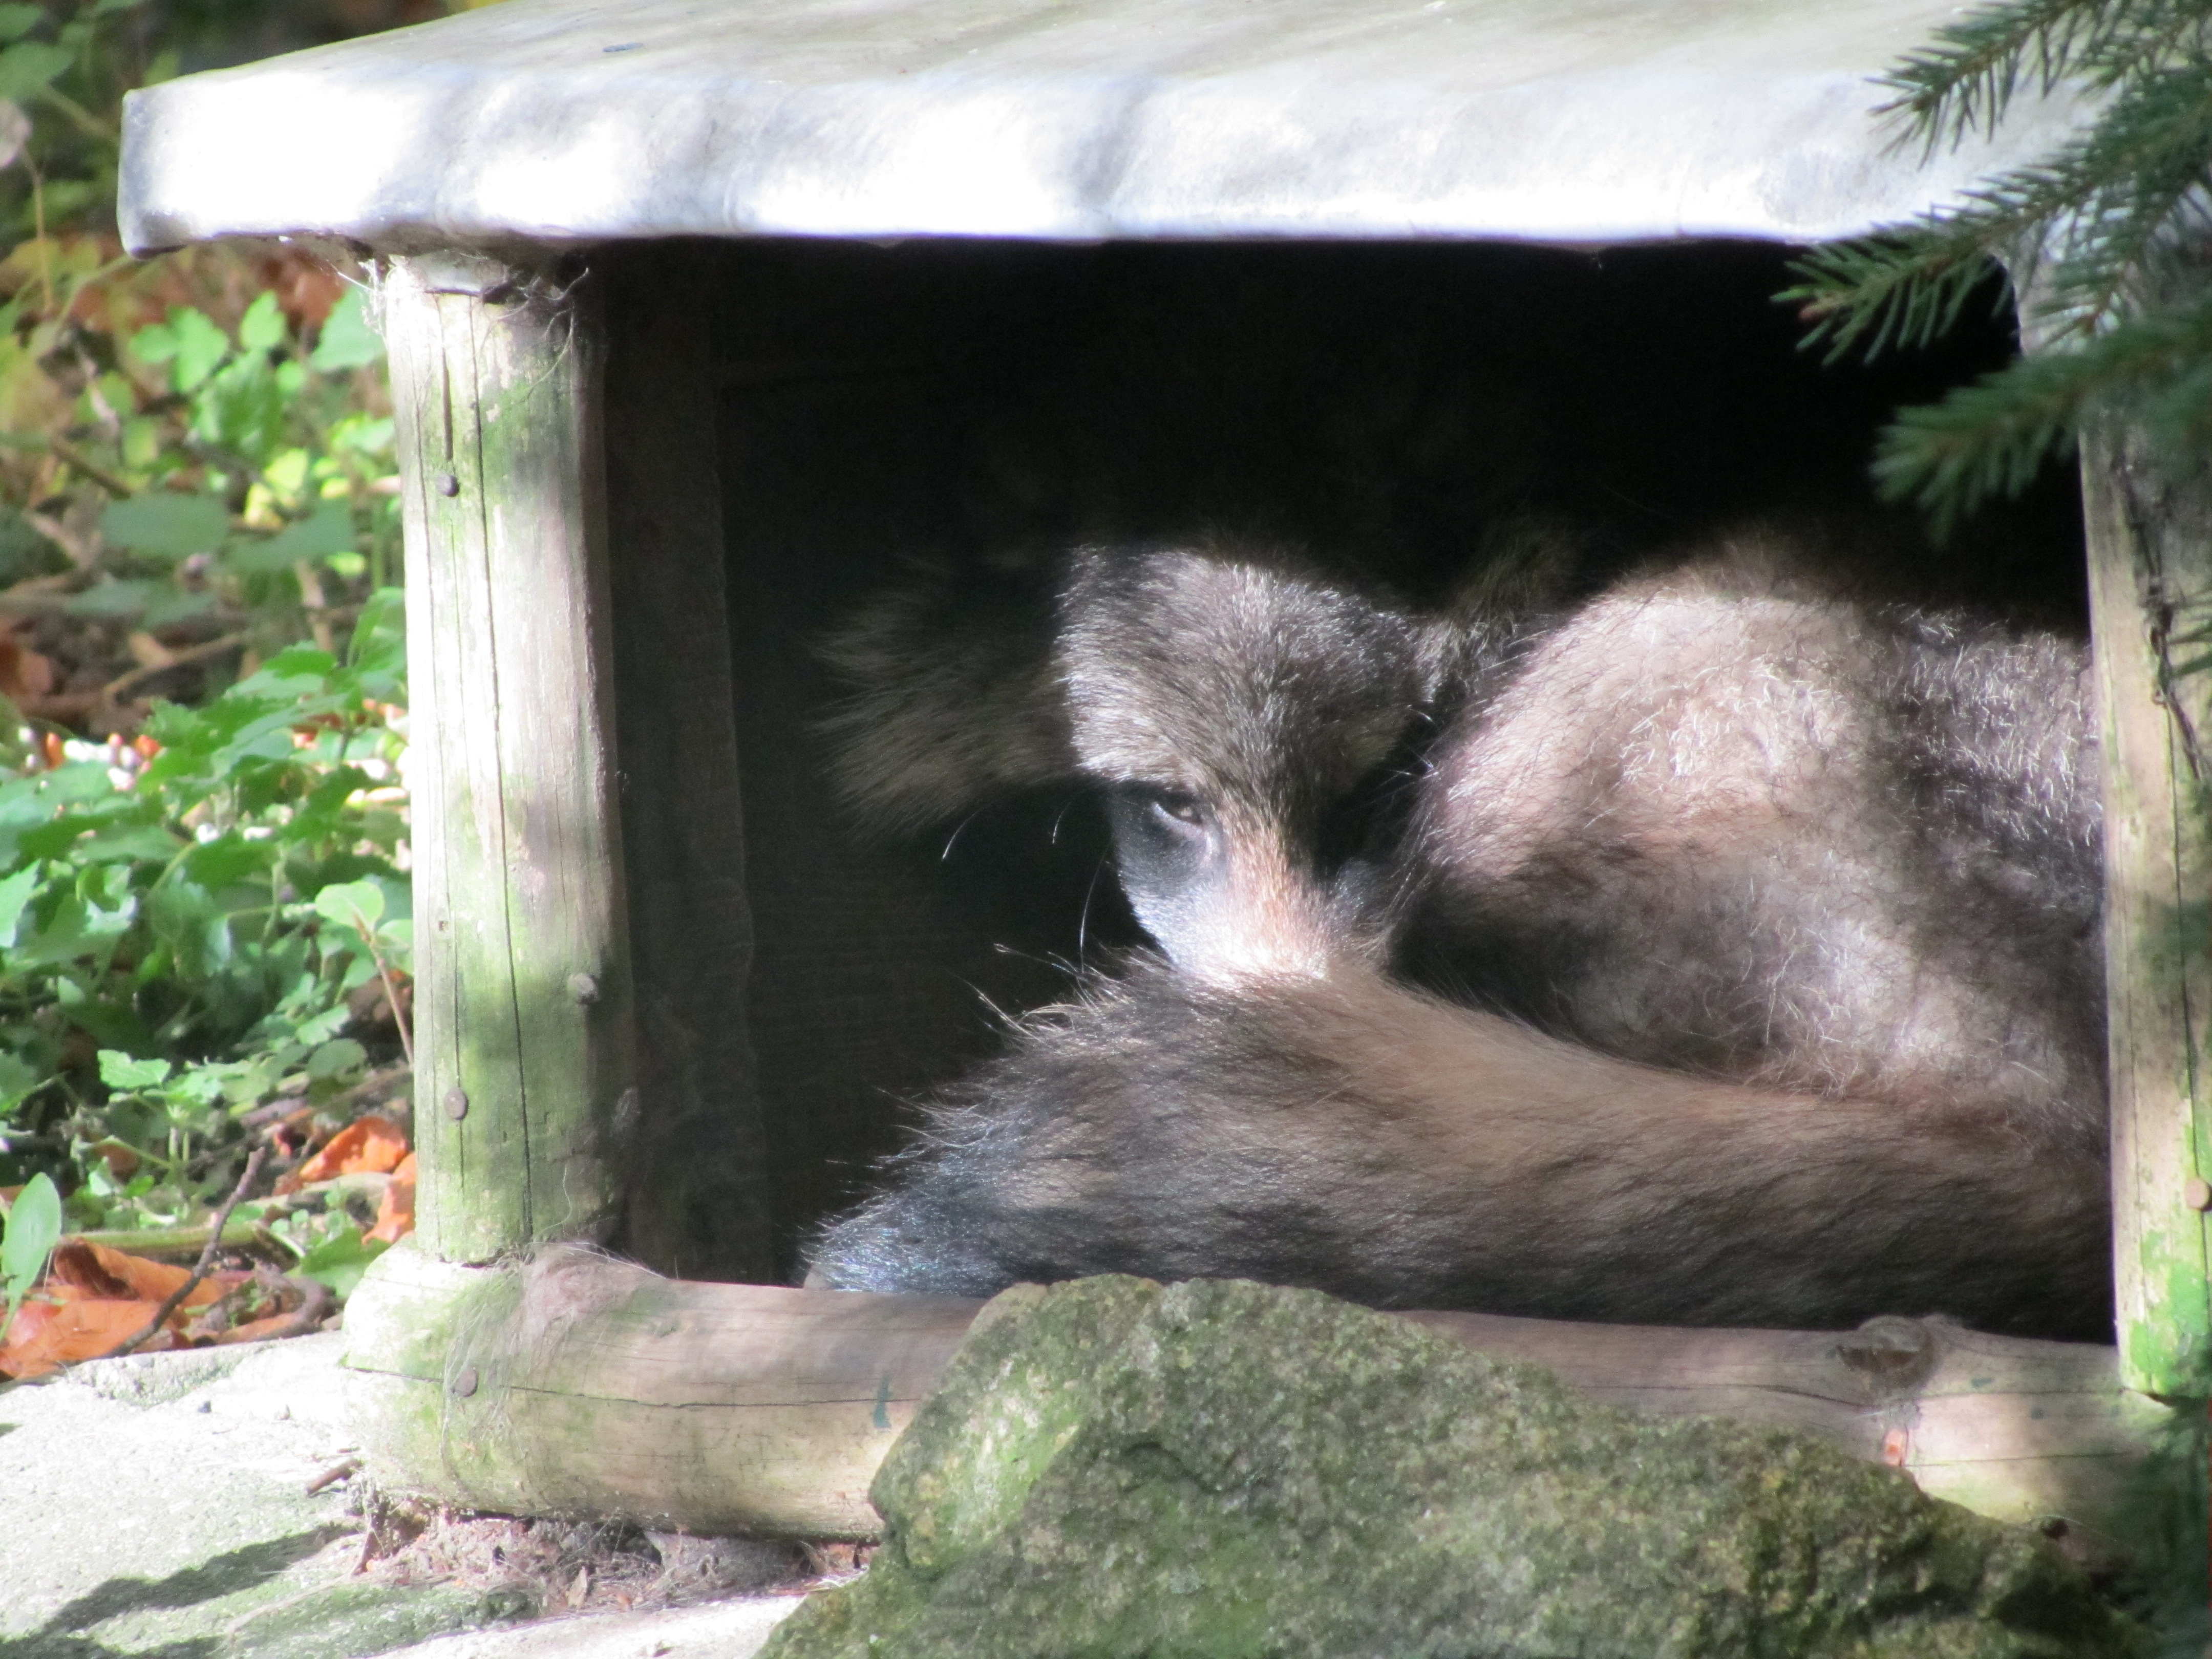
point(1181, 808)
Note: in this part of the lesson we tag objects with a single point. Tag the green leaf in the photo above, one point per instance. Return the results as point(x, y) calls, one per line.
point(17, 1079)
point(355, 904)
point(14, 893)
point(228, 861)
point(34, 1227)
point(78, 929)
point(189, 343)
point(339, 1262)
point(175, 605)
point(201, 1086)
point(294, 671)
point(328, 530)
point(378, 646)
point(114, 599)
point(347, 340)
point(336, 1058)
point(28, 66)
point(240, 410)
point(134, 843)
point(166, 523)
point(262, 328)
point(17, 20)
point(120, 1071)
point(35, 798)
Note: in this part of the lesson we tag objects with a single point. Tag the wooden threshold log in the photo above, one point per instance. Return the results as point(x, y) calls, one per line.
point(581, 1385)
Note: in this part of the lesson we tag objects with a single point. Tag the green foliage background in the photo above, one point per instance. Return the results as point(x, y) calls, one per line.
point(203, 896)
point(2107, 234)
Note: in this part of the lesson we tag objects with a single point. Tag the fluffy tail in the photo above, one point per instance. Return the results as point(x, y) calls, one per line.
point(1346, 1133)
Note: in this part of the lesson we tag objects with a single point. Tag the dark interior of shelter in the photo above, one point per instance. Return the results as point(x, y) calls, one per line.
point(1384, 407)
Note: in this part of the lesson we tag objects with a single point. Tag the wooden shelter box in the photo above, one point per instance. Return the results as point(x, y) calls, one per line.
point(702, 319)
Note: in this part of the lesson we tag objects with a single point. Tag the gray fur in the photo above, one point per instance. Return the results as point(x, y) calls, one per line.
point(1224, 672)
point(954, 697)
point(1165, 1127)
point(1721, 821)
point(1838, 860)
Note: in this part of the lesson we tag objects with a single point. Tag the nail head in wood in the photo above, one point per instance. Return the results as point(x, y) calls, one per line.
point(446, 484)
point(2197, 1192)
point(465, 1383)
point(457, 1102)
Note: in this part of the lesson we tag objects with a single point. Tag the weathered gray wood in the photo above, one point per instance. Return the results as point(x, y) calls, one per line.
point(2150, 584)
point(524, 1044)
point(1175, 119)
point(696, 1159)
point(587, 1386)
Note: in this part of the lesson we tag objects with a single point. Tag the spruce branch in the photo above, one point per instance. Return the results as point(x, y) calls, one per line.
point(2116, 218)
point(1988, 438)
point(1966, 79)
point(1906, 290)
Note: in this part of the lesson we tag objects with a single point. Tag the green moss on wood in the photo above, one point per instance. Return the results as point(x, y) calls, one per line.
point(1221, 1470)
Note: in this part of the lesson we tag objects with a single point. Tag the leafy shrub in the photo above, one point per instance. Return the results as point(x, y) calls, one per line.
point(204, 918)
point(201, 495)
point(188, 927)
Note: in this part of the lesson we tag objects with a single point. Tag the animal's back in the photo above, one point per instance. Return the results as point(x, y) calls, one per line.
point(1721, 821)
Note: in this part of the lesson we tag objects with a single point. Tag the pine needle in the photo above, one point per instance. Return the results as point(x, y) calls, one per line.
point(2117, 220)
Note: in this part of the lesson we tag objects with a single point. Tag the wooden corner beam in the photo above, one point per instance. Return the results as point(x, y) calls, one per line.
point(521, 950)
point(2150, 590)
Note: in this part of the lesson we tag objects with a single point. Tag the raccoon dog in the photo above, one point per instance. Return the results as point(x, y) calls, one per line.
point(1714, 949)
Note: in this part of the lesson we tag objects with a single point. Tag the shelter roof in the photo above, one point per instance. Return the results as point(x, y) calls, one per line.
point(1564, 121)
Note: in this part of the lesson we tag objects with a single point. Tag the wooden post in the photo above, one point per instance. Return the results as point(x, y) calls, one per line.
point(523, 1060)
point(2150, 590)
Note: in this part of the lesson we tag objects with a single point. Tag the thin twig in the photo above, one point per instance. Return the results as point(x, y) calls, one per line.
point(80, 554)
point(344, 1470)
point(113, 482)
point(113, 690)
point(175, 1298)
point(314, 1308)
point(392, 1000)
point(79, 117)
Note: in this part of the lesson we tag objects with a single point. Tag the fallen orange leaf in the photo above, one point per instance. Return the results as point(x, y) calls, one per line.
point(24, 673)
point(254, 1330)
point(122, 1161)
point(395, 1212)
point(47, 1334)
point(95, 1273)
point(367, 1146)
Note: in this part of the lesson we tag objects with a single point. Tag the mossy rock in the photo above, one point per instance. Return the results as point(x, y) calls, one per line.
point(1227, 1471)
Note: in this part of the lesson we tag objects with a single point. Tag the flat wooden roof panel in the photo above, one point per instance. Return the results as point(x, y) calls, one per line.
point(1566, 121)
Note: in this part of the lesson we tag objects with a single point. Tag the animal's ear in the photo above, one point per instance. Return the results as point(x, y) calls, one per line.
point(1521, 573)
point(955, 701)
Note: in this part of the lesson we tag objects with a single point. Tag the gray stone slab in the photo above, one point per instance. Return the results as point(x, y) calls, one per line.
point(158, 1505)
point(164, 1496)
point(721, 1630)
point(157, 1508)
point(1569, 121)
